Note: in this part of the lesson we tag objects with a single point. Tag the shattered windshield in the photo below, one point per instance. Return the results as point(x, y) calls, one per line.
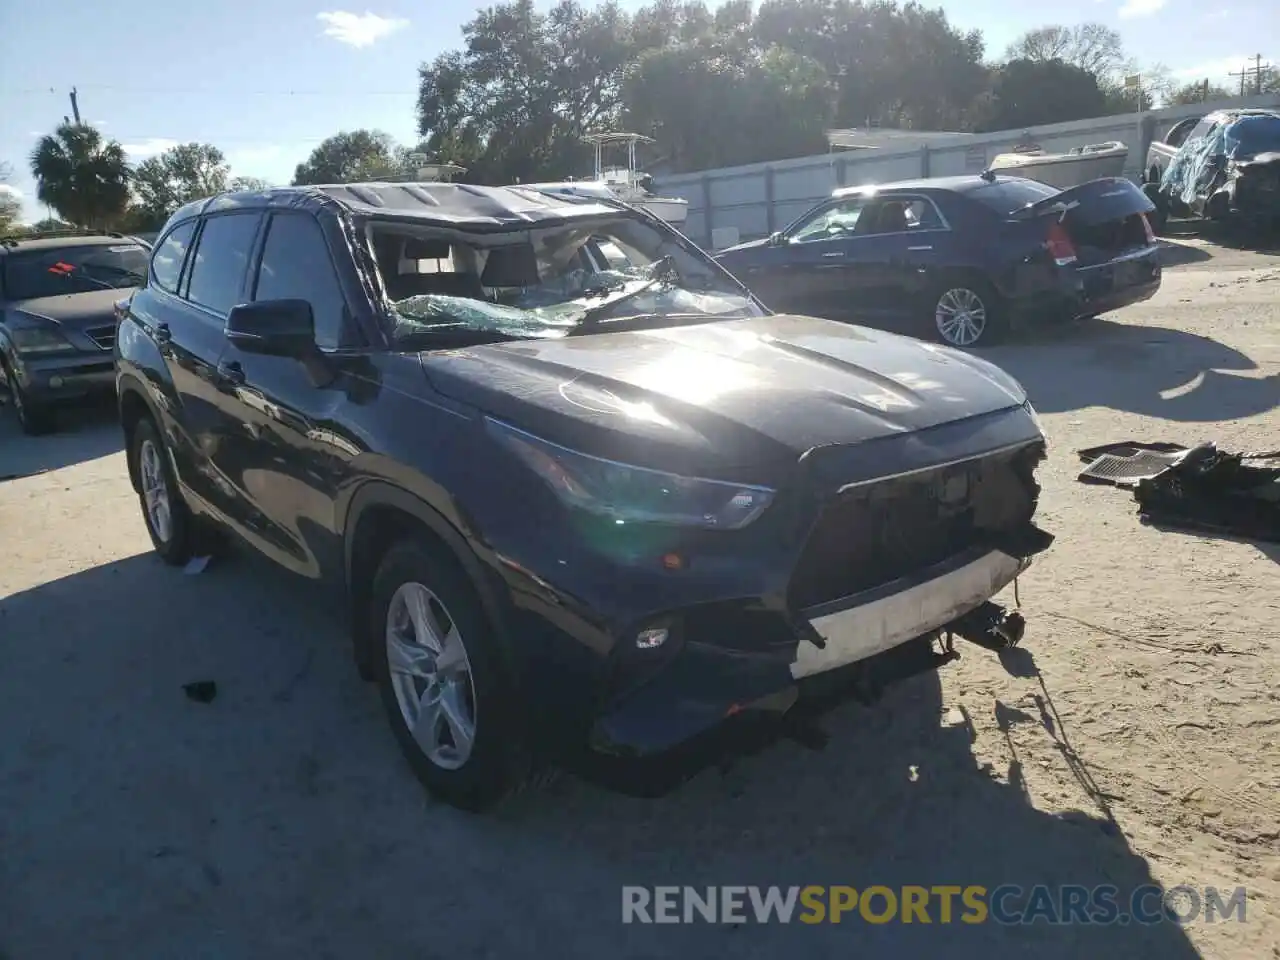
point(545, 282)
point(1249, 136)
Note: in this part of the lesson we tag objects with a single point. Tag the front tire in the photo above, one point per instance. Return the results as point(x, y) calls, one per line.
point(442, 680)
point(965, 313)
point(34, 419)
point(169, 522)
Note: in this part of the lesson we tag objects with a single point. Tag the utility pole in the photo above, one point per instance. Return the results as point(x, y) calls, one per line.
point(1255, 71)
point(75, 107)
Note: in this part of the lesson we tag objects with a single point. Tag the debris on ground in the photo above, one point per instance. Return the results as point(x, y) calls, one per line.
point(1198, 488)
point(195, 565)
point(201, 691)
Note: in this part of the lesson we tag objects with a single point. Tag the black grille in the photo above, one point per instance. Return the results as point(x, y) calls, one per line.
point(879, 532)
point(104, 337)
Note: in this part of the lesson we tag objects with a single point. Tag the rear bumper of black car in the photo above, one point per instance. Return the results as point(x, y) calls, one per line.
point(1092, 289)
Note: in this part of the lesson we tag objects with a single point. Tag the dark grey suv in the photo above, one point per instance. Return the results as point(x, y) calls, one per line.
point(58, 317)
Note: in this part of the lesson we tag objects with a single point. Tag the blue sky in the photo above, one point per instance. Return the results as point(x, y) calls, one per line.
point(266, 80)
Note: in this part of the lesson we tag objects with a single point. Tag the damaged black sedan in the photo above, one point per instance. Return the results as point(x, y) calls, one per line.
point(585, 496)
point(1228, 167)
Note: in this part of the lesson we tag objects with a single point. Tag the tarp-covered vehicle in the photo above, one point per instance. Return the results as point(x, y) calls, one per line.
point(1228, 167)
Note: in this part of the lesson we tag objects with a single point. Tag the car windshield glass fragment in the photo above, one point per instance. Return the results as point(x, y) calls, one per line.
point(74, 269)
point(545, 283)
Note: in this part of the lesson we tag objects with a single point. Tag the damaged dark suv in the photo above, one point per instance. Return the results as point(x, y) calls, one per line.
point(586, 498)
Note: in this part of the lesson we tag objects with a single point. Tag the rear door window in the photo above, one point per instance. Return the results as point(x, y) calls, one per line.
point(296, 265)
point(221, 261)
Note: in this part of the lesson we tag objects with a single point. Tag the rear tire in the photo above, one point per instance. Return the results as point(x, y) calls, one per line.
point(169, 522)
point(34, 419)
point(965, 312)
point(444, 686)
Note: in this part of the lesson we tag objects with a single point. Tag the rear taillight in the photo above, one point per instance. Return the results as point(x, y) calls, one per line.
point(1146, 225)
point(1059, 245)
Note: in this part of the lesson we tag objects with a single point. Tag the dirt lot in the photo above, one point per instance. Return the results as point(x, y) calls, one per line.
point(1135, 740)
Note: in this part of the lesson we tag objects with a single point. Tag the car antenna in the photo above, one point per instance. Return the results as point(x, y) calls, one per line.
point(988, 175)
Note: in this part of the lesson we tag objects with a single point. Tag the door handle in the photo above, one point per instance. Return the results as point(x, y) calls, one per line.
point(162, 333)
point(836, 253)
point(230, 372)
point(920, 248)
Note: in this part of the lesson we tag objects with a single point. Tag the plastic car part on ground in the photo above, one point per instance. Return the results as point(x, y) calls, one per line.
point(1198, 488)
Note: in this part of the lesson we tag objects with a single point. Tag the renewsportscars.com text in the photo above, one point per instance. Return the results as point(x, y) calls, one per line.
point(1007, 904)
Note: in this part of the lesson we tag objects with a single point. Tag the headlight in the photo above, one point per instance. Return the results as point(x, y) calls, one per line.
point(38, 340)
point(631, 494)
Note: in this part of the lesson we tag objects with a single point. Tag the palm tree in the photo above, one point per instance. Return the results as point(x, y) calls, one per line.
point(83, 177)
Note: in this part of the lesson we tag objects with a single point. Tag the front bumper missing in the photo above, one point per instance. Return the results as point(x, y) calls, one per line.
point(871, 639)
point(871, 623)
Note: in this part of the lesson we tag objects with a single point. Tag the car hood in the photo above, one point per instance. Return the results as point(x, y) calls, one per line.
point(722, 396)
point(76, 311)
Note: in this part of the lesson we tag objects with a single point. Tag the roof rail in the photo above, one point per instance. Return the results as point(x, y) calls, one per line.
point(54, 234)
point(12, 240)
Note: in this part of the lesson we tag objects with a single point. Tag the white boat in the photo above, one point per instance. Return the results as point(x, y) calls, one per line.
point(1064, 170)
point(625, 183)
point(419, 168)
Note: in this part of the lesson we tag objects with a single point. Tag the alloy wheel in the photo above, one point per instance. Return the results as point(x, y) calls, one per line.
point(431, 676)
point(155, 491)
point(960, 316)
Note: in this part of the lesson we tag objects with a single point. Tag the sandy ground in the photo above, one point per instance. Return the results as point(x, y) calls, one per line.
point(1134, 741)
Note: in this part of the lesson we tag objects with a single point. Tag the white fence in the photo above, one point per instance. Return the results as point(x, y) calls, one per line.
point(759, 198)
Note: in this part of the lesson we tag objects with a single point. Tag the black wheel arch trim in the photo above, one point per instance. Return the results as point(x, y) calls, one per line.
point(127, 384)
point(379, 493)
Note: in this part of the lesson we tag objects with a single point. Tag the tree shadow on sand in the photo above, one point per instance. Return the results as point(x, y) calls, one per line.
point(279, 817)
point(1153, 371)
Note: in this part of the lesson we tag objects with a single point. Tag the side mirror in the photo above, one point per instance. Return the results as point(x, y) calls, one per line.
point(278, 328)
point(776, 239)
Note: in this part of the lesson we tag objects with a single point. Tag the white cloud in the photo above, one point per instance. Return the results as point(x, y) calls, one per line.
point(1215, 71)
point(149, 147)
point(1140, 8)
point(359, 29)
point(13, 193)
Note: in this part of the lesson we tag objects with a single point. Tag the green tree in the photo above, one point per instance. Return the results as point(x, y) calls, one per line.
point(707, 105)
point(1197, 92)
point(1093, 47)
point(1028, 93)
point(892, 65)
point(515, 102)
point(189, 171)
point(10, 205)
point(82, 176)
point(348, 157)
